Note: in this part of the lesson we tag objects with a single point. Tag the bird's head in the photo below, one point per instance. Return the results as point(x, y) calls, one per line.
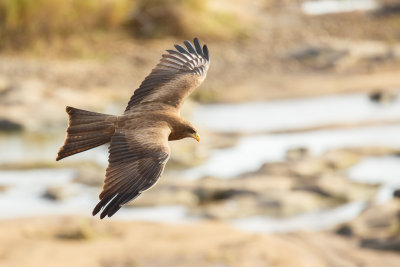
point(190, 131)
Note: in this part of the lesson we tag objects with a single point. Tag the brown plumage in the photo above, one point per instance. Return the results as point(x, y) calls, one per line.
point(139, 138)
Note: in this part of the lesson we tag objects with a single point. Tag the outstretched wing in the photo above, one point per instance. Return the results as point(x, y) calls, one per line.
point(177, 74)
point(136, 161)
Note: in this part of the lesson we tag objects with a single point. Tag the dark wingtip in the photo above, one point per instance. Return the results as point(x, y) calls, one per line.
point(181, 49)
point(198, 46)
point(96, 209)
point(190, 47)
point(205, 51)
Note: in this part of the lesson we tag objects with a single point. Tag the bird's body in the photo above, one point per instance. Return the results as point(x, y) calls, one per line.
point(139, 138)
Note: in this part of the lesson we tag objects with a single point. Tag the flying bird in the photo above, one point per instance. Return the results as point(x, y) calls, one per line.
point(138, 138)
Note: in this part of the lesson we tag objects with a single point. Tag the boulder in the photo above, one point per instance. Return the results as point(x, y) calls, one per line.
point(238, 207)
point(165, 196)
point(9, 126)
point(391, 243)
point(56, 193)
point(340, 159)
point(341, 188)
point(90, 177)
point(319, 56)
point(378, 222)
point(382, 97)
point(344, 230)
point(396, 193)
point(297, 153)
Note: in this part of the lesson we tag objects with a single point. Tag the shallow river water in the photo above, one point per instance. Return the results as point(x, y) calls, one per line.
point(24, 188)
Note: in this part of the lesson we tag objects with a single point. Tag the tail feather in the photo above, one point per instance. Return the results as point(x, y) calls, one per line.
point(86, 130)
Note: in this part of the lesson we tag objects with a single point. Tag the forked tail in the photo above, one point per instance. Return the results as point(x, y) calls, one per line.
point(86, 130)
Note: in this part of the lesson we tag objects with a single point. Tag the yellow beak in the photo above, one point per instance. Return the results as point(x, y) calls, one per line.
point(196, 136)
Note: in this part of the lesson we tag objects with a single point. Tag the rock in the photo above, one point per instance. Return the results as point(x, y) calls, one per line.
point(165, 196)
point(308, 168)
point(4, 85)
point(297, 202)
point(297, 153)
point(377, 222)
point(168, 191)
point(387, 9)
point(319, 56)
point(56, 193)
point(81, 229)
point(257, 195)
point(263, 183)
point(273, 169)
point(187, 153)
point(9, 126)
point(343, 189)
point(206, 195)
point(282, 204)
point(391, 243)
point(370, 151)
point(227, 209)
point(90, 177)
point(340, 159)
point(256, 184)
point(4, 188)
point(382, 97)
point(345, 230)
point(220, 140)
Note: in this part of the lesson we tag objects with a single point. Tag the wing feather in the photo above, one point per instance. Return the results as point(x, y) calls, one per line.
point(198, 47)
point(190, 47)
point(176, 75)
point(134, 166)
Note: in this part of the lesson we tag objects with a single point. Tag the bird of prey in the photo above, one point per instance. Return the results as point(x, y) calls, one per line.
point(139, 137)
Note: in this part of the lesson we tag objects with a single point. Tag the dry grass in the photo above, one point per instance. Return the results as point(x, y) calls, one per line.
point(158, 18)
point(25, 23)
point(356, 26)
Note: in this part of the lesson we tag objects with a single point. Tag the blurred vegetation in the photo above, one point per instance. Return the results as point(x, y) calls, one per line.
point(183, 18)
point(206, 95)
point(82, 229)
point(24, 22)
